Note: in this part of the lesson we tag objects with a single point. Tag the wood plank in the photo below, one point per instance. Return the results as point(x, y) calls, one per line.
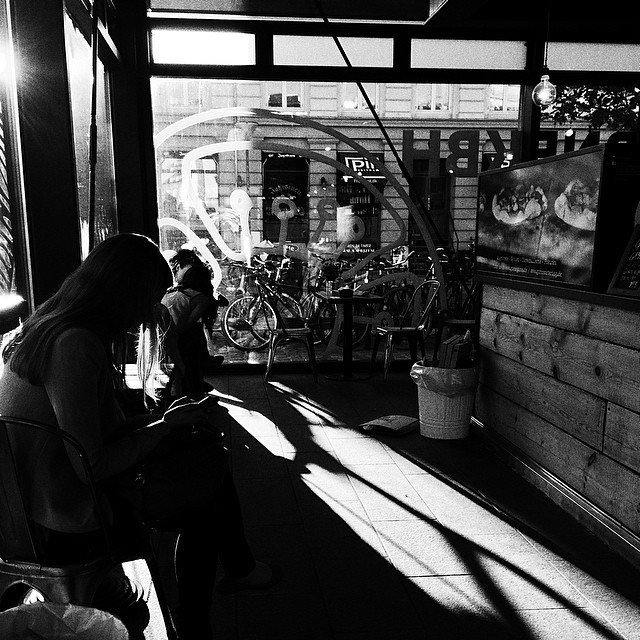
point(618, 326)
point(600, 368)
point(609, 485)
point(579, 413)
point(622, 436)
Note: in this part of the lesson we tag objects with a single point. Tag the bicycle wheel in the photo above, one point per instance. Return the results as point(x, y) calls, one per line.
point(288, 306)
point(325, 318)
point(246, 322)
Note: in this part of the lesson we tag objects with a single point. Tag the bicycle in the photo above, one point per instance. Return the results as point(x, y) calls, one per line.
point(381, 277)
point(247, 321)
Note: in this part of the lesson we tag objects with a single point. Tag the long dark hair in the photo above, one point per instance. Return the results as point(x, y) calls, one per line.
point(111, 292)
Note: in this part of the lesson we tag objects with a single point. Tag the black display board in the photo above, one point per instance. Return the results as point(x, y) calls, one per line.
point(626, 280)
point(563, 220)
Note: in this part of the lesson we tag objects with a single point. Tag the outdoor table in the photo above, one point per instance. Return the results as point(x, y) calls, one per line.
point(347, 303)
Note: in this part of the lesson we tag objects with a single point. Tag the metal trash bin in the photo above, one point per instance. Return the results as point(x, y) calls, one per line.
point(55, 621)
point(445, 400)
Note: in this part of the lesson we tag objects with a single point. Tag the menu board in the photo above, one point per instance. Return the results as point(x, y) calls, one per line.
point(626, 280)
point(538, 220)
point(563, 220)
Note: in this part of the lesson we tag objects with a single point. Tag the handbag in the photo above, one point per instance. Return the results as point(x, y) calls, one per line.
point(183, 472)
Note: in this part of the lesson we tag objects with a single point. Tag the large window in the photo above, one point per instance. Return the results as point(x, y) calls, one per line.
point(284, 95)
point(79, 65)
point(352, 100)
point(429, 98)
point(15, 284)
point(504, 98)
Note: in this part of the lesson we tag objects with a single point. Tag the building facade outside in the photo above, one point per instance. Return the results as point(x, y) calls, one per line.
point(443, 134)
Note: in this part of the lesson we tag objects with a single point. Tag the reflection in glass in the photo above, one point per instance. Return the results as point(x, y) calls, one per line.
point(15, 282)
point(80, 82)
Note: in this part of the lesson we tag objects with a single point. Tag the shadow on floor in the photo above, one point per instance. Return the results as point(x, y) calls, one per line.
point(382, 538)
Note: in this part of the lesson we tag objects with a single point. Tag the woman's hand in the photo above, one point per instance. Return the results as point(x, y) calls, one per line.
point(186, 412)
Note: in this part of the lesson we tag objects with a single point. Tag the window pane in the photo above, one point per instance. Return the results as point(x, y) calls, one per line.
point(496, 97)
point(352, 98)
point(294, 92)
point(441, 97)
point(432, 97)
point(423, 93)
point(80, 81)
point(274, 93)
point(172, 46)
point(512, 97)
point(468, 54)
point(13, 266)
point(322, 51)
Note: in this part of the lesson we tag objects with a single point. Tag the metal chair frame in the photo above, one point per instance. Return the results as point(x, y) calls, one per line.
point(412, 325)
point(22, 565)
point(287, 330)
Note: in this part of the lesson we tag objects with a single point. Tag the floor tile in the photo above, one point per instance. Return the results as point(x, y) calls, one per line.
point(360, 451)
point(387, 494)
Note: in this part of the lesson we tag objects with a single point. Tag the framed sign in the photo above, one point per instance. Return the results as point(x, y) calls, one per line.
point(563, 220)
point(626, 280)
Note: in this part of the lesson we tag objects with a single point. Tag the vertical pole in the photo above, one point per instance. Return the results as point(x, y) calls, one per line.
point(93, 127)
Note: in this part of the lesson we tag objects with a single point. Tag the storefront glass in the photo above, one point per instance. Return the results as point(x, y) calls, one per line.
point(15, 282)
point(79, 65)
point(285, 170)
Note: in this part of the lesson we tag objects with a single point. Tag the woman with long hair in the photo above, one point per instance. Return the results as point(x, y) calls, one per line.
point(63, 367)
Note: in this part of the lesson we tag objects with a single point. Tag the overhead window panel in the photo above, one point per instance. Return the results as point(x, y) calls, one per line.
point(177, 46)
point(316, 51)
point(590, 56)
point(467, 54)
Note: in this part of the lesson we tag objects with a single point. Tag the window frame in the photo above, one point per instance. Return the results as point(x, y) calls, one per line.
point(431, 113)
point(285, 94)
point(502, 113)
point(361, 109)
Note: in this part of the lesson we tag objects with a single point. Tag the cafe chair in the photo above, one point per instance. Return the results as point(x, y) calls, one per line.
point(466, 319)
point(416, 321)
point(287, 330)
point(23, 565)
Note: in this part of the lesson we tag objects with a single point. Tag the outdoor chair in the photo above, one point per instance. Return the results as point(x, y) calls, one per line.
point(287, 330)
point(23, 565)
point(416, 321)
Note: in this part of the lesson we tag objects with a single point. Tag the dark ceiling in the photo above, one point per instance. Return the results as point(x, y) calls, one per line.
point(585, 20)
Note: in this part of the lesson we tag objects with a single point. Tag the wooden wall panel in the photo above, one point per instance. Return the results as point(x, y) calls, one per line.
point(607, 484)
point(560, 381)
point(622, 436)
point(579, 413)
point(618, 326)
point(606, 370)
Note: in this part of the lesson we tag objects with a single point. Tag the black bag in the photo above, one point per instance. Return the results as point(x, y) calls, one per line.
point(183, 472)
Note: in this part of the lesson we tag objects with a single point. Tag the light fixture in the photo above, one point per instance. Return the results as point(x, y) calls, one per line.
point(544, 93)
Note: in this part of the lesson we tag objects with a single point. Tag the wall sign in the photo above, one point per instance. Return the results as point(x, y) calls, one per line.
point(626, 280)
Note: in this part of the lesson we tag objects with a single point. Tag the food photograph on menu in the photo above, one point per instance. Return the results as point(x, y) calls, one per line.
point(538, 220)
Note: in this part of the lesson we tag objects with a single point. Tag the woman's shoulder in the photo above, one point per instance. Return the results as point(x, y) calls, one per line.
point(78, 338)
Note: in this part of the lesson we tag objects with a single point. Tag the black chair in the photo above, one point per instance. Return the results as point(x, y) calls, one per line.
point(417, 320)
point(290, 329)
point(23, 566)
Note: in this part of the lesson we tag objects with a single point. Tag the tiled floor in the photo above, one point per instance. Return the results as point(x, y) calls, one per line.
point(400, 538)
